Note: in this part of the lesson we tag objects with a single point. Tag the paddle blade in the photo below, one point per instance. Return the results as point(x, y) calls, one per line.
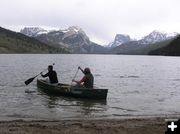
point(29, 81)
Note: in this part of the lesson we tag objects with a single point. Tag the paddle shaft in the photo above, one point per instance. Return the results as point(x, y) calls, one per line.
point(74, 76)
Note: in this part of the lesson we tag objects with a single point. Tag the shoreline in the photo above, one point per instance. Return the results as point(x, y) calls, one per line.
point(151, 125)
point(130, 117)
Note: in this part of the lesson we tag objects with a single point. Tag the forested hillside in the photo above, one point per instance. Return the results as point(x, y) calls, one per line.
point(12, 42)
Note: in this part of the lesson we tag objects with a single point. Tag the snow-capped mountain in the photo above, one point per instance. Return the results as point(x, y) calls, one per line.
point(156, 36)
point(119, 39)
point(33, 31)
point(72, 38)
point(152, 41)
point(75, 32)
point(172, 49)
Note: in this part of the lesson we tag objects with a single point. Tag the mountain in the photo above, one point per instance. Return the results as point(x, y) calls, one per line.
point(143, 46)
point(157, 36)
point(172, 49)
point(13, 42)
point(33, 31)
point(119, 39)
point(73, 39)
point(144, 50)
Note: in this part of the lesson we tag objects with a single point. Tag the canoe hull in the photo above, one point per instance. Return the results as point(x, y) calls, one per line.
point(67, 90)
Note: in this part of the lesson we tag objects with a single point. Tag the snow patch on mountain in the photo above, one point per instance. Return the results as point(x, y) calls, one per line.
point(33, 31)
point(119, 39)
point(156, 36)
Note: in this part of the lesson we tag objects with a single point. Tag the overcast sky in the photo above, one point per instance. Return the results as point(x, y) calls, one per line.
point(100, 19)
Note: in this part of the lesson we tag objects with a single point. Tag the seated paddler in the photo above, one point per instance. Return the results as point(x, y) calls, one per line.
point(51, 74)
point(87, 80)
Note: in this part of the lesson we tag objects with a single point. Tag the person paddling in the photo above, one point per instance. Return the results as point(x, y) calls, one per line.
point(51, 74)
point(88, 80)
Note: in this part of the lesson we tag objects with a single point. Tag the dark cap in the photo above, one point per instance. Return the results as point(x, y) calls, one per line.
point(87, 70)
point(50, 67)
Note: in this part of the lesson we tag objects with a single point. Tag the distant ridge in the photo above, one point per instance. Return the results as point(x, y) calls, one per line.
point(119, 39)
point(13, 42)
point(73, 39)
point(33, 31)
point(172, 49)
point(143, 46)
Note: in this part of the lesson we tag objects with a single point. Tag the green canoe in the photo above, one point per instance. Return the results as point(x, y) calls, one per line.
point(67, 90)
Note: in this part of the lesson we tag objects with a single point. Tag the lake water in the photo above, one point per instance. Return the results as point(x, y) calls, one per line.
point(138, 86)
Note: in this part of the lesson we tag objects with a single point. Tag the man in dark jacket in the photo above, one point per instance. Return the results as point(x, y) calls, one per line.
point(51, 74)
point(87, 80)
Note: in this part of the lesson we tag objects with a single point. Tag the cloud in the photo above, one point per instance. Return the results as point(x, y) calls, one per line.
point(100, 19)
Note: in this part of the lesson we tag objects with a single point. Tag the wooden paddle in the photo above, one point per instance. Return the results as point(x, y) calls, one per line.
point(27, 82)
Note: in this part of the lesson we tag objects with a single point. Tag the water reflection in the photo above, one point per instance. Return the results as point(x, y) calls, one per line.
point(89, 107)
point(85, 107)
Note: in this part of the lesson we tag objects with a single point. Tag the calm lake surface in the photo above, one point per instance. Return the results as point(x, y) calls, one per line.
point(138, 86)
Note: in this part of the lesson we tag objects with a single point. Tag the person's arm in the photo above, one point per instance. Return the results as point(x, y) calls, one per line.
point(82, 80)
point(74, 81)
point(79, 82)
point(46, 75)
